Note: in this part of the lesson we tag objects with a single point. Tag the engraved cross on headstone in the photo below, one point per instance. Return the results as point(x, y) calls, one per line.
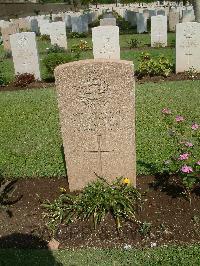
point(99, 152)
point(188, 53)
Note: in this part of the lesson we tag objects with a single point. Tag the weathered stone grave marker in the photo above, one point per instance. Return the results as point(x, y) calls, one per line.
point(187, 46)
point(159, 31)
point(97, 116)
point(106, 42)
point(6, 32)
point(108, 22)
point(24, 52)
point(58, 34)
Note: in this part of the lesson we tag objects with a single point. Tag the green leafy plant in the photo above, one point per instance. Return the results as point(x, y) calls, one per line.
point(23, 80)
point(54, 59)
point(44, 37)
point(148, 66)
point(97, 199)
point(192, 73)
point(6, 190)
point(55, 49)
point(184, 161)
point(134, 43)
point(81, 46)
point(145, 228)
point(77, 35)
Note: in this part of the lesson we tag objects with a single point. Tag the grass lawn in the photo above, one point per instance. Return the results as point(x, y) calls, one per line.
point(30, 140)
point(176, 256)
point(7, 68)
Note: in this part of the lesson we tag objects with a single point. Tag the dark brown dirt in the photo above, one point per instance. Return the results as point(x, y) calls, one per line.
point(172, 219)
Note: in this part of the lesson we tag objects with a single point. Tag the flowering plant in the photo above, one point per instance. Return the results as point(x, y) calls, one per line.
point(99, 198)
point(184, 161)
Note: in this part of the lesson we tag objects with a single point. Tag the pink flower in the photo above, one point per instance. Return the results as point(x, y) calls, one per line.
point(198, 162)
point(179, 118)
point(188, 144)
point(166, 111)
point(184, 156)
point(186, 169)
point(195, 126)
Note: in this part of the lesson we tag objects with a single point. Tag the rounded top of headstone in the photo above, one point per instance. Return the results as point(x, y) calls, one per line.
point(92, 61)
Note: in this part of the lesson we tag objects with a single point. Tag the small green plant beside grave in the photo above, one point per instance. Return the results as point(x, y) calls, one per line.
point(148, 66)
point(99, 198)
point(134, 43)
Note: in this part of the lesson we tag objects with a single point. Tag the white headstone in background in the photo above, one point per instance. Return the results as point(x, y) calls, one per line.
point(25, 55)
point(159, 31)
point(108, 22)
point(79, 23)
point(106, 42)
point(173, 20)
point(141, 23)
point(45, 26)
point(34, 26)
point(187, 46)
point(58, 34)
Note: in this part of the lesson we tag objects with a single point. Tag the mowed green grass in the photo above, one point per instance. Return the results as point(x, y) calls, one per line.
point(7, 68)
point(166, 256)
point(30, 139)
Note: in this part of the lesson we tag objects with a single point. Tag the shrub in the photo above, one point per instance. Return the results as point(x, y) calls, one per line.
point(159, 66)
point(54, 59)
point(81, 46)
point(55, 49)
point(184, 162)
point(23, 80)
point(134, 43)
point(77, 35)
point(45, 37)
point(97, 199)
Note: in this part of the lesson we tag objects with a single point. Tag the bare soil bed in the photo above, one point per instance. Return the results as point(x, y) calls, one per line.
point(171, 217)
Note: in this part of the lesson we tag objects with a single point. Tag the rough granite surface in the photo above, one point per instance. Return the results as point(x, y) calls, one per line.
point(96, 101)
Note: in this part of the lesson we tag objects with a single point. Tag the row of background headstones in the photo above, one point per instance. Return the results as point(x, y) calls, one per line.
point(106, 46)
point(105, 40)
point(79, 22)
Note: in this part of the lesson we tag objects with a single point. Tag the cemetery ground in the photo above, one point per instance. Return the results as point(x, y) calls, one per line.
point(32, 154)
point(31, 148)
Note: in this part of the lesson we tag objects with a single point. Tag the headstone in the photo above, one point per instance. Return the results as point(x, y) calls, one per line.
point(34, 26)
point(173, 20)
point(79, 23)
point(67, 19)
point(152, 12)
point(131, 17)
point(108, 22)
point(158, 31)
point(58, 34)
point(187, 46)
point(6, 32)
point(24, 52)
point(188, 15)
point(141, 23)
point(106, 42)
point(196, 5)
point(161, 12)
point(97, 116)
point(108, 15)
point(45, 27)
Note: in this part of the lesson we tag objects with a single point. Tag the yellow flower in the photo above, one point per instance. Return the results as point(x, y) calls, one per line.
point(62, 189)
point(126, 181)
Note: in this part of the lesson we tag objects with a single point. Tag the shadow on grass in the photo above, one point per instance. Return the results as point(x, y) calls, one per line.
point(25, 249)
